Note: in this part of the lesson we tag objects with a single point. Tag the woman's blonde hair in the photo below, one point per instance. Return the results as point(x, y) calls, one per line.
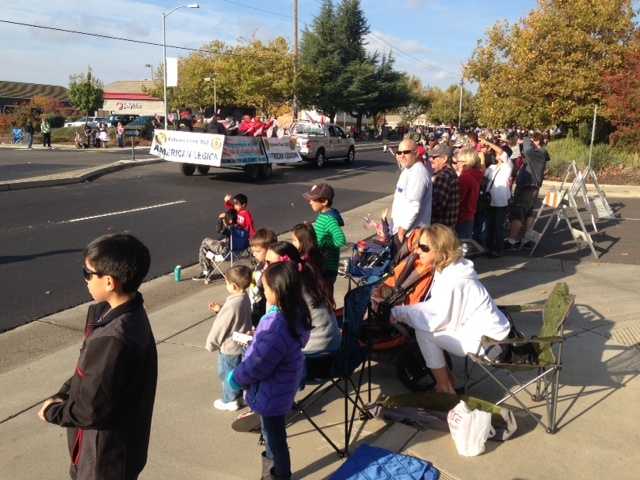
point(468, 157)
point(443, 241)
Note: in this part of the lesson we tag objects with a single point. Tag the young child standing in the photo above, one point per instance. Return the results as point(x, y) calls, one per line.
point(260, 244)
point(329, 234)
point(233, 316)
point(272, 368)
point(108, 402)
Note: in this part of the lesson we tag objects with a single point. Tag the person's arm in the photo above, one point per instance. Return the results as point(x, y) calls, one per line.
point(97, 400)
point(262, 360)
point(329, 233)
point(493, 146)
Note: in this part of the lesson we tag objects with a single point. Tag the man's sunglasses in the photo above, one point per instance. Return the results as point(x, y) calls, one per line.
point(87, 274)
point(404, 152)
point(424, 248)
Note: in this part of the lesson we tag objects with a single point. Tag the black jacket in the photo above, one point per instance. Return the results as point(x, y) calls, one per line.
point(108, 402)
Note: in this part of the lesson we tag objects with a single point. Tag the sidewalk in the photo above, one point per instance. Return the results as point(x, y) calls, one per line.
point(598, 428)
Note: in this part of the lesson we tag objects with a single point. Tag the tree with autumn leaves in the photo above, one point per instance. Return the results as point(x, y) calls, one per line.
point(548, 68)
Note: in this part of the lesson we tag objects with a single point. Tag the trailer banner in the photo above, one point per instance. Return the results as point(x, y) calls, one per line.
point(188, 147)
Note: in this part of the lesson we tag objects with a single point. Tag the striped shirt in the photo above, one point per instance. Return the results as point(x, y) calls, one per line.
point(330, 239)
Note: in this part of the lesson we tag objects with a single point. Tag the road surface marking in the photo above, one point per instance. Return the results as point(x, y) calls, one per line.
point(122, 212)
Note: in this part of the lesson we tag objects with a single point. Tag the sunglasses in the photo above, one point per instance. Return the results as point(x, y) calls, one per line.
point(404, 152)
point(87, 274)
point(424, 248)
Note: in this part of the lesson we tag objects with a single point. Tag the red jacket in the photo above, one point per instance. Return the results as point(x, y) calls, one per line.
point(469, 183)
point(245, 220)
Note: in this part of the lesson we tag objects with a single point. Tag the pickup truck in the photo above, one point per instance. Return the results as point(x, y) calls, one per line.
point(317, 143)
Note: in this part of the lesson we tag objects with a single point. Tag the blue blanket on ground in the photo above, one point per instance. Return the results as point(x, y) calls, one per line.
point(372, 463)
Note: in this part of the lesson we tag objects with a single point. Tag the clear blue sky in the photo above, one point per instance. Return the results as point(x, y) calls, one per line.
point(432, 38)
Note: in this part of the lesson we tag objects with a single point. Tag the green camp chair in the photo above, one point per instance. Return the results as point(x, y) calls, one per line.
point(541, 354)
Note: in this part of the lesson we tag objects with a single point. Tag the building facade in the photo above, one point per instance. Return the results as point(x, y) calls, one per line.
point(131, 98)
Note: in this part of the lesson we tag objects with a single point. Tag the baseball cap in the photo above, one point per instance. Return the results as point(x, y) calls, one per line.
point(320, 191)
point(441, 150)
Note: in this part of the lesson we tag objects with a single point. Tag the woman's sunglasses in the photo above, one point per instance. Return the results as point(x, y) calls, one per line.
point(424, 248)
point(87, 274)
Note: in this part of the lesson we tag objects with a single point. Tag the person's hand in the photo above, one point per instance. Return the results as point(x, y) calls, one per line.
point(45, 405)
point(227, 198)
point(401, 233)
point(215, 307)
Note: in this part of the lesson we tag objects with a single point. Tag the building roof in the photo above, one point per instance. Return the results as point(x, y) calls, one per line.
point(129, 96)
point(129, 86)
point(26, 91)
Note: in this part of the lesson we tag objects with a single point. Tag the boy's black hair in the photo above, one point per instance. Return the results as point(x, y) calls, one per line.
point(283, 278)
point(241, 198)
point(240, 275)
point(122, 256)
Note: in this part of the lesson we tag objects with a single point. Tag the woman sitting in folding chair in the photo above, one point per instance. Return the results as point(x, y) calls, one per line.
point(458, 312)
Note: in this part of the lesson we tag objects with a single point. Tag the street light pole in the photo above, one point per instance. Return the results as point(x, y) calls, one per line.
point(164, 52)
point(215, 97)
point(295, 58)
point(150, 67)
point(460, 106)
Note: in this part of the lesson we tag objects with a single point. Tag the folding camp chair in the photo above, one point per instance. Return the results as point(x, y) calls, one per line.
point(541, 354)
point(238, 247)
point(340, 370)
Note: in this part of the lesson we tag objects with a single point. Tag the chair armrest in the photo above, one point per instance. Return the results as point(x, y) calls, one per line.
point(525, 307)
point(488, 342)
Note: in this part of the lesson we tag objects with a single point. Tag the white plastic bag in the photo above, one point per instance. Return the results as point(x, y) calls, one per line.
point(469, 429)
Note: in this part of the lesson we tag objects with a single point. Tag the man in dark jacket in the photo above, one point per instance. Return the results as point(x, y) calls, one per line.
point(108, 403)
point(528, 182)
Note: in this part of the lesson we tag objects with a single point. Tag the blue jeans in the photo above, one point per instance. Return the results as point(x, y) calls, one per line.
point(465, 230)
point(227, 363)
point(275, 439)
point(496, 217)
point(480, 228)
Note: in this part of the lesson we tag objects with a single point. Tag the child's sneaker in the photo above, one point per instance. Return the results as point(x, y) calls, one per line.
point(219, 258)
point(231, 406)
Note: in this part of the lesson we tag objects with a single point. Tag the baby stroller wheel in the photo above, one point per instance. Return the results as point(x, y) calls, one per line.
point(413, 371)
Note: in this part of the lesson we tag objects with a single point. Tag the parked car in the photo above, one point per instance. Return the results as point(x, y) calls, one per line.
point(317, 143)
point(140, 127)
point(124, 119)
point(91, 121)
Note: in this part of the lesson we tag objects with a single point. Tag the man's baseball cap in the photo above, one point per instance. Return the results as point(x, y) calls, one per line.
point(441, 150)
point(321, 191)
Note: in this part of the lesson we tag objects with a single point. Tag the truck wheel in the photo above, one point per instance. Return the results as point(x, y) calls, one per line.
point(265, 171)
point(321, 159)
point(188, 169)
point(203, 169)
point(252, 172)
point(351, 156)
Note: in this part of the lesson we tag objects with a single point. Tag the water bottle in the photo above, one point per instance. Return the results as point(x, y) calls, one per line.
point(177, 273)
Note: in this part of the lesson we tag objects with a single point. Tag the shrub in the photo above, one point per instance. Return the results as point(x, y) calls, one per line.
point(566, 150)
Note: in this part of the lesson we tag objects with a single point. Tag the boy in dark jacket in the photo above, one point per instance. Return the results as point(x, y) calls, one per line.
point(108, 402)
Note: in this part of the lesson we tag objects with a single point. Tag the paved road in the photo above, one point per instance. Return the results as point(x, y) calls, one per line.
point(18, 164)
point(44, 230)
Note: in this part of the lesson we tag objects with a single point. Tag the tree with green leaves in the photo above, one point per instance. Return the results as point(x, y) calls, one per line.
point(547, 68)
point(321, 63)
point(86, 92)
point(338, 73)
point(445, 106)
point(250, 75)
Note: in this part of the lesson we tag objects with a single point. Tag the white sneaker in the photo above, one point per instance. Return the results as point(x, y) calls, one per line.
point(228, 406)
point(218, 258)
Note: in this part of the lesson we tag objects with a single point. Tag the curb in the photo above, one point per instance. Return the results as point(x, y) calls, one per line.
point(77, 176)
point(72, 148)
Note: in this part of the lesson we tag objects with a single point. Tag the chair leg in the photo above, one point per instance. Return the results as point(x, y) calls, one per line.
point(553, 399)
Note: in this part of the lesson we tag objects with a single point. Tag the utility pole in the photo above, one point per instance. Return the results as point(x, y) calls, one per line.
point(295, 58)
point(460, 106)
